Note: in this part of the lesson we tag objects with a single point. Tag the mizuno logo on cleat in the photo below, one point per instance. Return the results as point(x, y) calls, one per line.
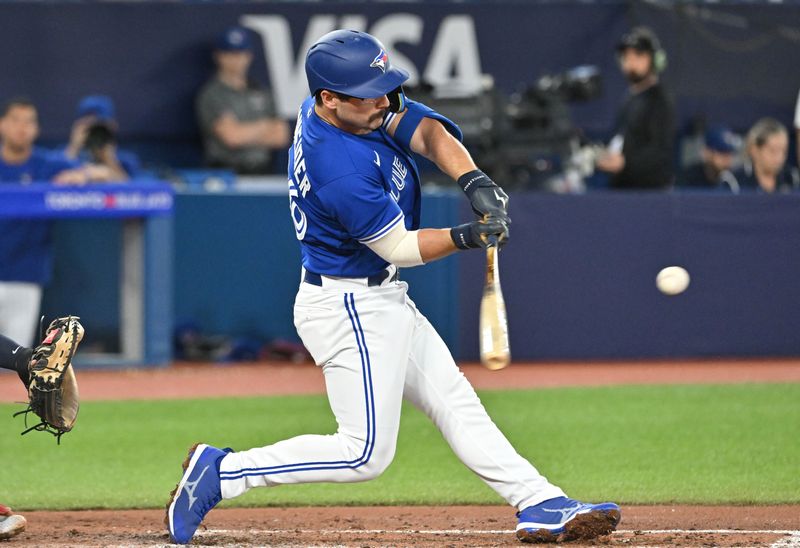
point(190, 486)
point(565, 512)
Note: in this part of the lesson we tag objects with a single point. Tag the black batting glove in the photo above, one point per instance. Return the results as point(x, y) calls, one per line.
point(485, 197)
point(477, 234)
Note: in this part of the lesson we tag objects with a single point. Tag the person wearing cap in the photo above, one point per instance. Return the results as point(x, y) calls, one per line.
point(640, 154)
point(237, 118)
point(26, 245)
point(93, 142)
point(766, 170)
point(718, 156)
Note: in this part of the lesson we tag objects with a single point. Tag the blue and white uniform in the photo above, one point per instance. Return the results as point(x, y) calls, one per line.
point(26, 254)
point(349, 190)
point(375, 348)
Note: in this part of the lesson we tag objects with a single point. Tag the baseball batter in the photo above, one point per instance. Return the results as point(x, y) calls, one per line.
point(354, 198)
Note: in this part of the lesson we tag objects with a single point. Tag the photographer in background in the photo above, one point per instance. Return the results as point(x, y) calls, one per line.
point(93, 142)
point(640, 154)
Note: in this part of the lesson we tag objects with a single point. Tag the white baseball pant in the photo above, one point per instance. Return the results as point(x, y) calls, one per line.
point(375, 349)
point(19, 311)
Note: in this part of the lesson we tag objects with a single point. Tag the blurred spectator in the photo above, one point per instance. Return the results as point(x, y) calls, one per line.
point(640, 154)
point(766, 169)
point(25, 245)
point(237, 118)
point(718, 155)
point(93, 141)
point(691, 141)
point(797, 126)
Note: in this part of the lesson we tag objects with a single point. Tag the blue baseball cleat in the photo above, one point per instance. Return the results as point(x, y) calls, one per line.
point(196, 494)
point(562, 519)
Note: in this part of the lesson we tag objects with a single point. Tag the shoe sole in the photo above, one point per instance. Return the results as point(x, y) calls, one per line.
point(12, 529)
point(582, 527)
point(173, 495)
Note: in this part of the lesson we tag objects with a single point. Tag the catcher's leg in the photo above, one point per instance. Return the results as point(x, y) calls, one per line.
point(19, 311)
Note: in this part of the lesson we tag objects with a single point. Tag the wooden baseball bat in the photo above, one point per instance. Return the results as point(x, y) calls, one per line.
point(495, 351)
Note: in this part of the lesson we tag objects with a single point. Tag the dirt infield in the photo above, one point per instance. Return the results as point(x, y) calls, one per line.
point(467, 526)
point(185, 380)
point(458, 526)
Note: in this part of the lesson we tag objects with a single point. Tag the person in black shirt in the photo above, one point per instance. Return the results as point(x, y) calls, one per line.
point(640, 155)
point(714, 171)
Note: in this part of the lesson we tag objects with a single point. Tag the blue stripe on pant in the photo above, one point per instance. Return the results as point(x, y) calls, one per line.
point(366, 371)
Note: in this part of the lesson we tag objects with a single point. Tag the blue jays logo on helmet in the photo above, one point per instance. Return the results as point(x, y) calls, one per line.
point(380, 61)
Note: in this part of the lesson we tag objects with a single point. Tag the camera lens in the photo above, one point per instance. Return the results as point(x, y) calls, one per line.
point(98, 136)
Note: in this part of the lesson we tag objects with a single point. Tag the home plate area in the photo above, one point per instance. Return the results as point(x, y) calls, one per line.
point(418, 526)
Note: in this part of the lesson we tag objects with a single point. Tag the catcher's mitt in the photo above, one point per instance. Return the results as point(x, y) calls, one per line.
point(53, 390)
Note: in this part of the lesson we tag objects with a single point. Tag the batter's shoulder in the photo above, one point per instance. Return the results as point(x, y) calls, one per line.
point(341, 158)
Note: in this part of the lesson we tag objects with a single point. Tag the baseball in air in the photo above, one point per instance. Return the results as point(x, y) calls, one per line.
point(672, 280)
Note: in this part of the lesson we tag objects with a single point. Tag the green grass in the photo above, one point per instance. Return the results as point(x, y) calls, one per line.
point(638, 444)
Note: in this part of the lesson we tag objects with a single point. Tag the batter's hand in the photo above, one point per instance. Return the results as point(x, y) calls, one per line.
point(476, 234)
point(486, 198)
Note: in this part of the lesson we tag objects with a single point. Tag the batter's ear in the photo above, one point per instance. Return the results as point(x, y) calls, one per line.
point(326, 98)
point(397, 99)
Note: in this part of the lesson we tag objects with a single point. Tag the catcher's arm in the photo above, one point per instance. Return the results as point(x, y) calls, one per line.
point(53, 389)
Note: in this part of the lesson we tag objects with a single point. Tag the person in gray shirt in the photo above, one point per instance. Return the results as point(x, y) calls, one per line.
point(237, 118)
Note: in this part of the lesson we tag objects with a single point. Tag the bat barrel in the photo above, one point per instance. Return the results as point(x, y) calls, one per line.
point(495, 352)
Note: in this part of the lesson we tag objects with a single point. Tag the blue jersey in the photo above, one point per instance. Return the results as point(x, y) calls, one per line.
point(25, 246)
point(42, 165)
point(348, 190)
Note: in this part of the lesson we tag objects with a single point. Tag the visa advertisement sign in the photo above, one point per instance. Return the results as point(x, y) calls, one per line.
point(453, 61)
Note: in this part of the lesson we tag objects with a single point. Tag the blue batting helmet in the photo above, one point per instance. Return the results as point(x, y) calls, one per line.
point(353, 63)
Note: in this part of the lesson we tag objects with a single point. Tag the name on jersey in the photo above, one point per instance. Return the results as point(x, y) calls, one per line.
point(299, 168)
point(298, 183)
point(399, 172)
